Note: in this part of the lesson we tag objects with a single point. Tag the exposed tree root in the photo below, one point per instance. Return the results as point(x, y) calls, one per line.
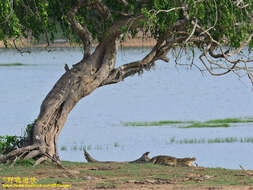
point(40, 160)
point(18, 153)
point(36, 152)
point(32, 154)
point(13, 163)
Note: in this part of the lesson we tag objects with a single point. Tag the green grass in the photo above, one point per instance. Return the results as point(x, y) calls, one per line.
point(21, 167)
point(106, 185)
point(12, 64)
point(120, 173)
point(205, 125)
point(224, 140)
point(192, 124)
point(173, 140)
point(153, 123)
point(230, 120)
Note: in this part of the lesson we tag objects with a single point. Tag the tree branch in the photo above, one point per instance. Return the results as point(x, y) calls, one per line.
point(102, 9)
point(18, 49)
point(158, 52)
point(80, 30)
point(123, 2)
point(225, 57)
point(212, 54)
point(242, 45)
point(210, 62)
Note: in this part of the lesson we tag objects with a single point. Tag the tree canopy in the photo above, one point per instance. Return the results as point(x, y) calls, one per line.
point(227, 19)
point(219, 28)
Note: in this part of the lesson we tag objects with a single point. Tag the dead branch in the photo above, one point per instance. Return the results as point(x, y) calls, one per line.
point(167, 11)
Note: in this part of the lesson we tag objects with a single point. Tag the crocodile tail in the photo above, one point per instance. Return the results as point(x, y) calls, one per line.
point(88, 157)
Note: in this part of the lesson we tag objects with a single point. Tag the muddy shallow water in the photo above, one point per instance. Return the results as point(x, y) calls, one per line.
point(165, 93)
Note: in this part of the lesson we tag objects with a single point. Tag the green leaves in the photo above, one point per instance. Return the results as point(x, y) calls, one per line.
point(29, 130)
point(9, 143)
point(18, 18)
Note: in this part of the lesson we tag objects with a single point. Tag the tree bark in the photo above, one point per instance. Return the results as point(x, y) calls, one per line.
point(81, 80)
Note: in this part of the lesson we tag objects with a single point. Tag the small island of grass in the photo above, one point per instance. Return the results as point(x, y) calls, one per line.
point(192, 124)
point(12, 64)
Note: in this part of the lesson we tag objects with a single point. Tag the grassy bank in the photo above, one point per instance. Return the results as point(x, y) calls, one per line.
point(120, 176)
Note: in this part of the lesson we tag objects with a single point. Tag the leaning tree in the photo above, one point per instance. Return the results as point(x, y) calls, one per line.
point(221, 30)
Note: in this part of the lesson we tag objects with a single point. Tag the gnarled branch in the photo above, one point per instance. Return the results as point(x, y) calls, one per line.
point(158, 52)
point(103, 9)
point(123, 2)
point(81, 30)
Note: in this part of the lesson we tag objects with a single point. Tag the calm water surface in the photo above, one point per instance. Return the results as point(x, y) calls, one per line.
point(165, 93)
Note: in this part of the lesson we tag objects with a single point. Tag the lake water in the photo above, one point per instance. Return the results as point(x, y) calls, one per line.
point(166, 93)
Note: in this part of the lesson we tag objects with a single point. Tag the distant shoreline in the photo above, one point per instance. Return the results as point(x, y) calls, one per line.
point(136, 42)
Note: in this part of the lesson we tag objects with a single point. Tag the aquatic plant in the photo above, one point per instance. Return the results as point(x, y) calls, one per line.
point(231, 120)
point(11, 64)
point(192, 124)
point(63, 148)
point(173, 140)
point(204, 125)
point(116, 144)
point(88, 147)
point(154, 123)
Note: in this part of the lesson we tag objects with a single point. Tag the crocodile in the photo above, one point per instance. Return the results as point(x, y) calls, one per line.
point(172, 161)
point(161, 159)
point(143, 159)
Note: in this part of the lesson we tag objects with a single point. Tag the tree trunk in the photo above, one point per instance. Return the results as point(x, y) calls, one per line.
point(76, 83)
